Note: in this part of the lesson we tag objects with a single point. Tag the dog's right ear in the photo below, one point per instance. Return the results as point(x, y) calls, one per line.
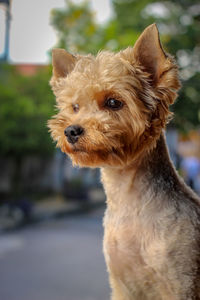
point(63, 63)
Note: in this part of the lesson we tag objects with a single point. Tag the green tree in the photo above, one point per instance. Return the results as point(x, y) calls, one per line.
point(76, 28)
point(26, 103)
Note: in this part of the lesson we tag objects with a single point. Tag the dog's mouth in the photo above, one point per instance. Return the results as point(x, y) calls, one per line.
point(76, 150)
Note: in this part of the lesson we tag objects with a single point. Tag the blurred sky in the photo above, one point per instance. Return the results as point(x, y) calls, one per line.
point(31, 35)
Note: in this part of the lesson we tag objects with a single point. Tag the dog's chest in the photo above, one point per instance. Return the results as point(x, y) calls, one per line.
point(122, 244)
point(130, 256)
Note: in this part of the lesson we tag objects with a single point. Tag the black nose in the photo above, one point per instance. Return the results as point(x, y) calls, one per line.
point(73, 133)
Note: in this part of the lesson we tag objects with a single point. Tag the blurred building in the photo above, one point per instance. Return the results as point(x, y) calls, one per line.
point(29, 69)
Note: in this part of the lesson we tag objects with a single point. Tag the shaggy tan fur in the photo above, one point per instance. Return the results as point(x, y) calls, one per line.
point(152, 222)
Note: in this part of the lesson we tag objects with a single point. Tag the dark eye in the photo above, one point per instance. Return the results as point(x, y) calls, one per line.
point(75, 107)
point(113, 104)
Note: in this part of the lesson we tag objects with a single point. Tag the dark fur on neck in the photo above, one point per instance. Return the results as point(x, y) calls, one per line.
point(163, 177)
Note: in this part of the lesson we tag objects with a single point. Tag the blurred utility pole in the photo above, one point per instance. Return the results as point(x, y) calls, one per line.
point(5, 55)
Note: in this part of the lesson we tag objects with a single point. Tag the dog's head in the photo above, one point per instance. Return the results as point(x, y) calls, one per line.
point(113, 106)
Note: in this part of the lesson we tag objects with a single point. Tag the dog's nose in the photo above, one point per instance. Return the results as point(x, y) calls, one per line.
point(73, 133)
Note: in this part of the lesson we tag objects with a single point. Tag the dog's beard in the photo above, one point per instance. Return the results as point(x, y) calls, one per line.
point(95, 159)
point(85, 154)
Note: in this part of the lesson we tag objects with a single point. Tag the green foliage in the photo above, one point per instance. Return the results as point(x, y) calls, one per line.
point(25, 105)
point(76, 28)
point(178, 22)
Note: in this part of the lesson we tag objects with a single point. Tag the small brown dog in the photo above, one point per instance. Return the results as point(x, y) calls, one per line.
point(112, 111)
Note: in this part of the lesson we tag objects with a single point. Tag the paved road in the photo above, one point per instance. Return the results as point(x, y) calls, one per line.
point(59, 260)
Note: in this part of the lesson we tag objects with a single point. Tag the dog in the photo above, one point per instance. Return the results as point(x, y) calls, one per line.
point(112, 110)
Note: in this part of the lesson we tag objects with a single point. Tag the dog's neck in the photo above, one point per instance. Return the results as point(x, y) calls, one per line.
point(151, 176)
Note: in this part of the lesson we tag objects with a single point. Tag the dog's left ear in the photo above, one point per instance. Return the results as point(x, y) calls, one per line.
point(149, 53)
point(160, 72)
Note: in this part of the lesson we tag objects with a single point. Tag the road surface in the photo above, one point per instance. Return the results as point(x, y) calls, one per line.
point(57, 260)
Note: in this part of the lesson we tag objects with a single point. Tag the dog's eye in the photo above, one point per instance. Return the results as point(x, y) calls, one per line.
point(75, 107)
point(113, 104)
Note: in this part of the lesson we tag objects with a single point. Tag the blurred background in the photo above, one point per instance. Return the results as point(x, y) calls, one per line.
point(50, 212)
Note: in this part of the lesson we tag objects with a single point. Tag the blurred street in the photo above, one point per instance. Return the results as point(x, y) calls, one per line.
point(55, 260)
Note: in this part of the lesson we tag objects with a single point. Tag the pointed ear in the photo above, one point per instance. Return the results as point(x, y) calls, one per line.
point(63, 62)
point(149, 53)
